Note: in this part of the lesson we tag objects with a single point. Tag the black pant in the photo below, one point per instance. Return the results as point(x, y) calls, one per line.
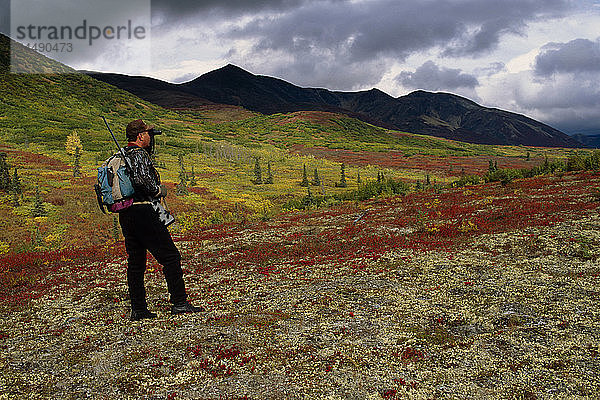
point(143, 231)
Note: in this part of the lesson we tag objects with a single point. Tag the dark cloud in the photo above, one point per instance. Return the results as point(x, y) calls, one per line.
point(340, 36)
point(393, 28)
point(485, 37)
point(186, 7)
point(5, 17)
point(579, 55)
point(431, 77)
point(567, 77)
point(568, 102)
point(174, 11)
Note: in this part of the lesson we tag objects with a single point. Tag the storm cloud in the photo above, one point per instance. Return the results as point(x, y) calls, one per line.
point(172, 10)
point(337, 38)
point(5, 17)
point(579, 55)
point(562, 88)
point(567, 101)
point(392, 28)
point(429, 76)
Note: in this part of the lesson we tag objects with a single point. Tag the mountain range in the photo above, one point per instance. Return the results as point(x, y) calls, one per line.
point(588, 140)
point(438, 114)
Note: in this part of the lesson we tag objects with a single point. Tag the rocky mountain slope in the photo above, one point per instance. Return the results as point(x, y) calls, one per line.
point(438, 114)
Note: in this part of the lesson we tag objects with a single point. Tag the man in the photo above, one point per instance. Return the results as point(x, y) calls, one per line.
point(144, 231)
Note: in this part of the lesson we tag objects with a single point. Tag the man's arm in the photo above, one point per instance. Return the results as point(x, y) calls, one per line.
point(144, 179)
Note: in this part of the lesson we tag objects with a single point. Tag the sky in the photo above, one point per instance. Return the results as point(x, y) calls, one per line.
point(540, 58)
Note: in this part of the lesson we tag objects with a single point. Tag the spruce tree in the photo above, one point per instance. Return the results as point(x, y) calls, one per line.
point(4, 173)
point(16, 183)
point(358, 178)
point(181, 188)
point(193, 177)
point(38, 205)
point(181, 164)
point(77, 163)
point(343, 176)
point(36, 237)
point(342, 182)
point(316, 181)
point(257, 173)
point(183, 177)
point(304, 178)
point(269, 179)
point(15, 200)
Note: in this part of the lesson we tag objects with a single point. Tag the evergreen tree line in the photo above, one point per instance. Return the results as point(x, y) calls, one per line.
point(8, 183)
point(371, 188)
point(258, 178)
point(576, 162)
point(12, 184)
point(316, 180)
point(426, 184)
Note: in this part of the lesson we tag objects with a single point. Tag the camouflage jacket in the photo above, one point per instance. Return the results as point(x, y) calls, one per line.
point(145, 179)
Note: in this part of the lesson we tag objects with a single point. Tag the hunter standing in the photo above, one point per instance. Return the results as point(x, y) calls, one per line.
point(144, 231)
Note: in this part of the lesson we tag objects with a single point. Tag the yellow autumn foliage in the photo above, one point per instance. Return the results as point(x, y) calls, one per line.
point(4, 247)
point(73, 143)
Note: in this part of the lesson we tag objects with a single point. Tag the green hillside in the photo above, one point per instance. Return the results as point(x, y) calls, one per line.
point(44, 108)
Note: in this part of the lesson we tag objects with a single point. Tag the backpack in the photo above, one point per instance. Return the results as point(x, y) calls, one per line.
point(114, 189)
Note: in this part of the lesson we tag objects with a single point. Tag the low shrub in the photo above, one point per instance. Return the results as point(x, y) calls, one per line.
point(577, 162)
point(467, 180)
point(504, 176)
point(370, 189)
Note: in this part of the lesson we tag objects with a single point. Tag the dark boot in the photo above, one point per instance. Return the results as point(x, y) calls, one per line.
point(185, 307)
point(142, 314)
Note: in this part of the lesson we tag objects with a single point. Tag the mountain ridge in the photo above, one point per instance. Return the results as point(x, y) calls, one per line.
point(437, 114)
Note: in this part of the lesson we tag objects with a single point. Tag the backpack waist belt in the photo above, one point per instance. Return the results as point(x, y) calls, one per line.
point(141, 202)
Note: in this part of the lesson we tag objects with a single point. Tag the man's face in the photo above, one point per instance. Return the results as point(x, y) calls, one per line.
point(144, 139)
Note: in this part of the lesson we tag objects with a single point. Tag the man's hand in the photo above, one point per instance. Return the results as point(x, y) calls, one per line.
point(163, 191)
